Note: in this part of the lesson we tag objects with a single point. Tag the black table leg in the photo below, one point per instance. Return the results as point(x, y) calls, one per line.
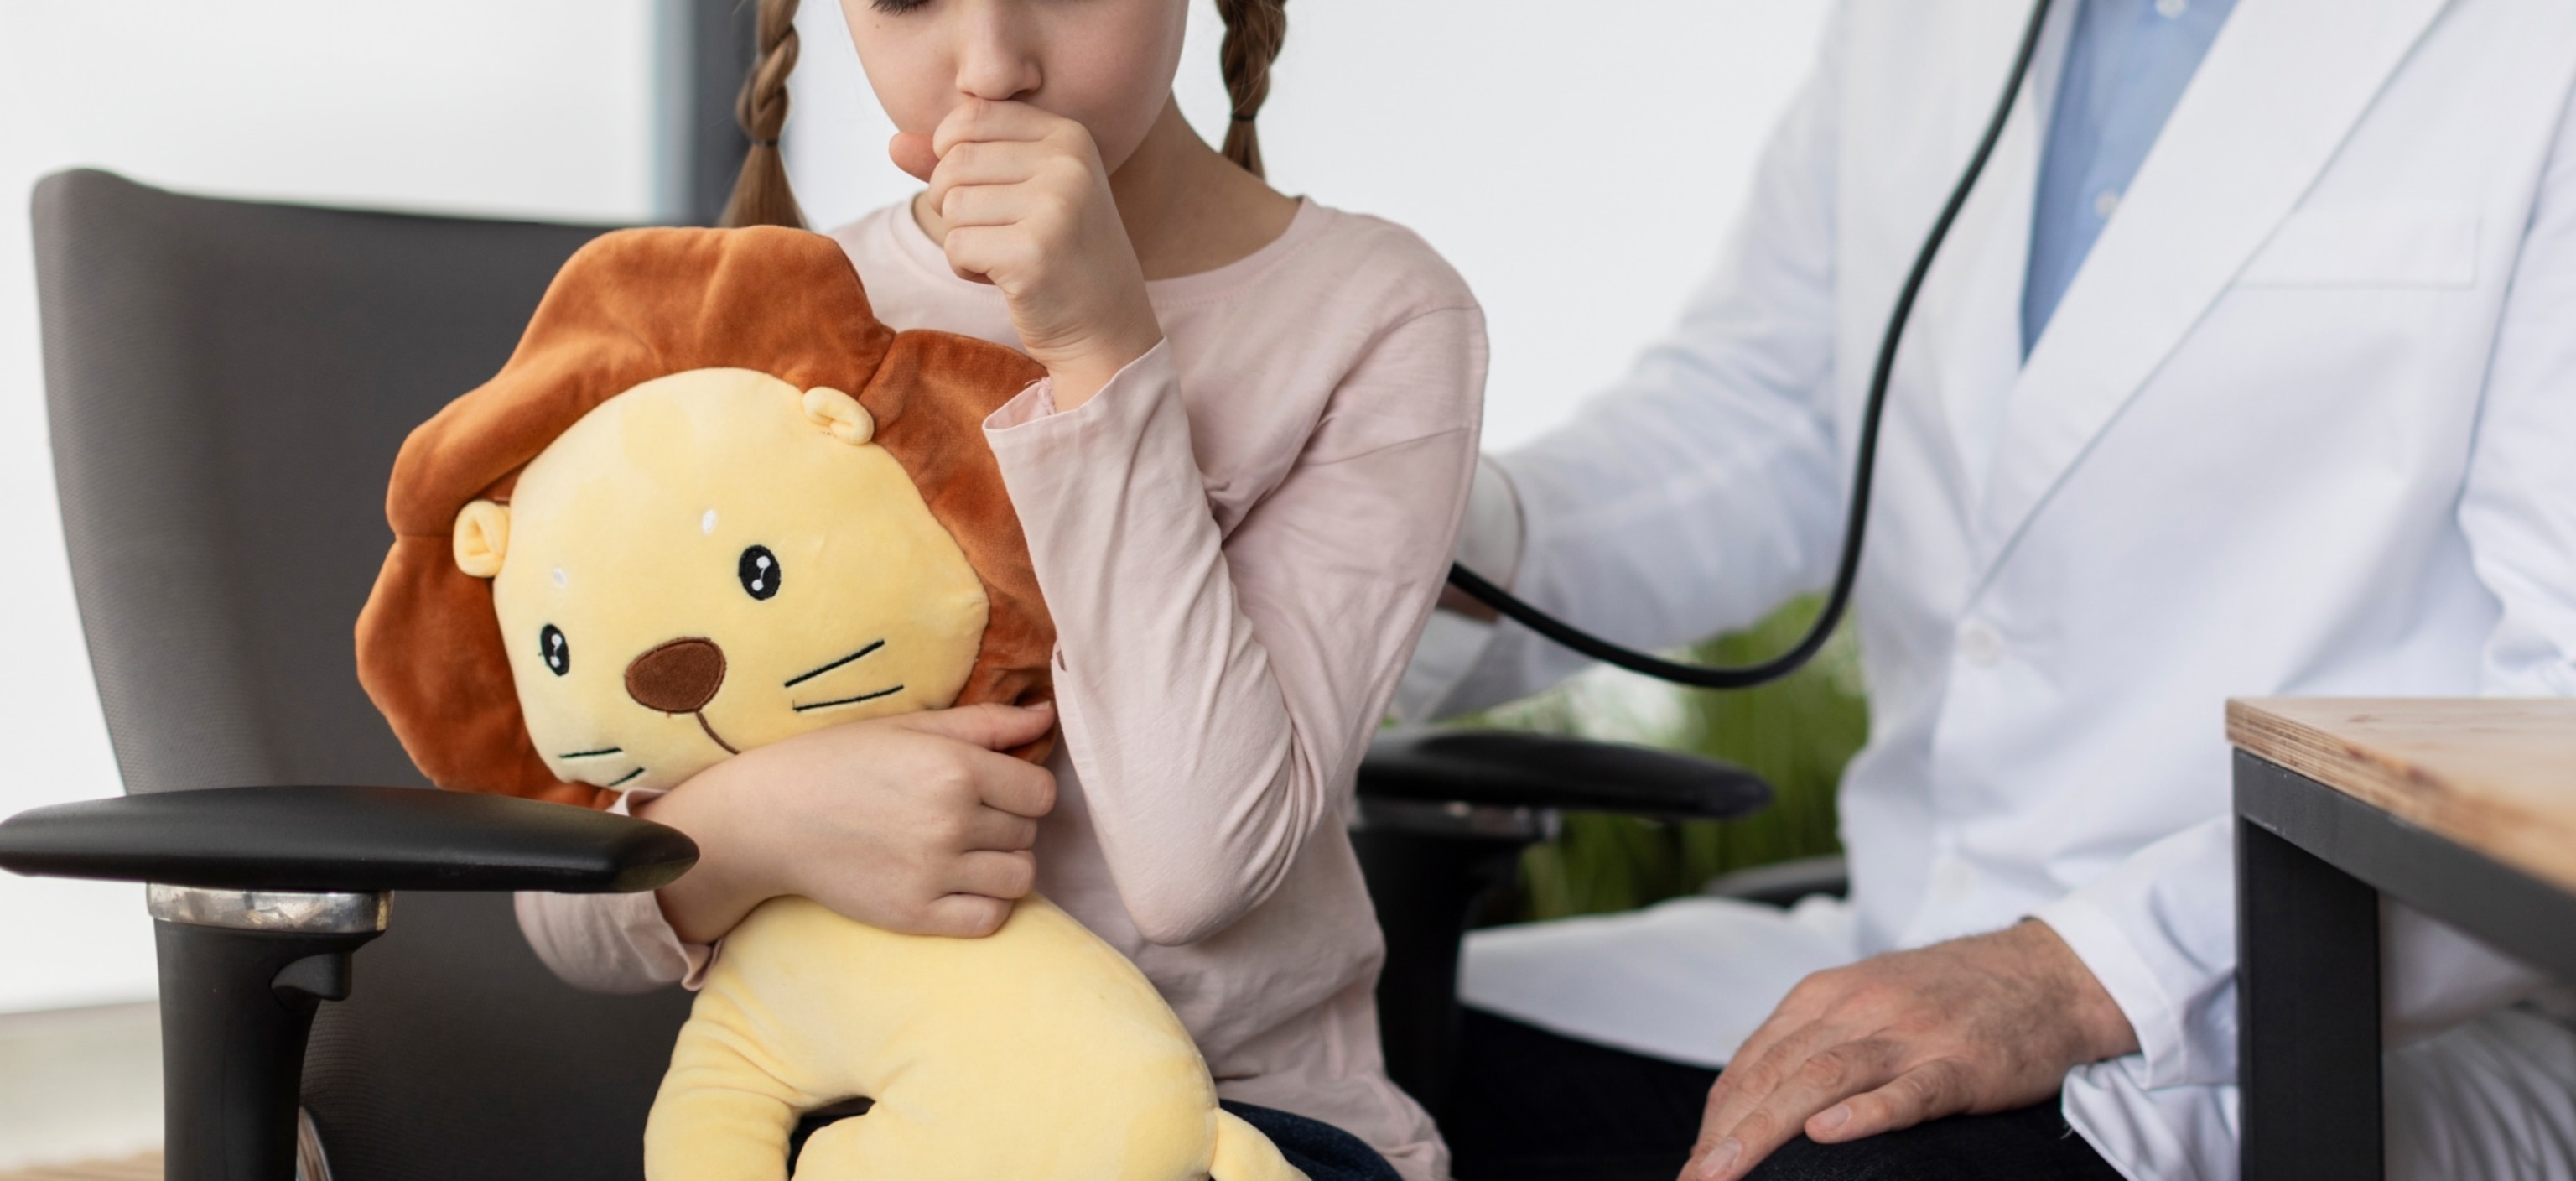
point(2307, 1007)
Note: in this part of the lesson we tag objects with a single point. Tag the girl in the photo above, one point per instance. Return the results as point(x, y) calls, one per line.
point(1239, 482)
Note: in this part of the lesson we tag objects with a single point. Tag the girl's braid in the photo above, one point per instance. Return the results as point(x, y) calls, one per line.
point(1254, 30)
point(761, 196)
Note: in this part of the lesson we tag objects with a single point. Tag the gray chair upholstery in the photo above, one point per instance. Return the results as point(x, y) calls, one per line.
point(227, 384)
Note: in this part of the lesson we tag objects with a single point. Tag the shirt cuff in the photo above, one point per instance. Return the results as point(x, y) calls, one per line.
point(605, 943)
point(612, 942)
point(2159, 932)
point(1034, 413)
point(649, 927)
point(2097, 941)
point(1030, 405)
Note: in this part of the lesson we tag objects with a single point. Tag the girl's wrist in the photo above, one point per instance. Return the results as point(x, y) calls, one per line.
point(1076, 375)
point(730, 877)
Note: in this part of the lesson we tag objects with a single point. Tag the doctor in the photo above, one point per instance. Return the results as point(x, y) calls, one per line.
point(2250, 368)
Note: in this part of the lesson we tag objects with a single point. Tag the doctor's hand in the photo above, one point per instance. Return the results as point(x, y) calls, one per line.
point(1019, 199)
point(916, 823)
point(1984, 1024)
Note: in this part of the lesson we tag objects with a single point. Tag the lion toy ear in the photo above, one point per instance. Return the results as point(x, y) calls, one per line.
point(482, 538)
point(840, 415)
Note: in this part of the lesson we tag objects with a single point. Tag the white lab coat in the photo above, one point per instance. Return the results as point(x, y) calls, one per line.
point(2305, 424)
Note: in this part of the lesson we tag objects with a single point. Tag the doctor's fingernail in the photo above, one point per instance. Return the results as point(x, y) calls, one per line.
point(1721, 1158)
point(1833, 1118)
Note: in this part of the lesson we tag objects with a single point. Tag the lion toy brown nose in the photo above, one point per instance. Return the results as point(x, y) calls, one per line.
point(679, 677)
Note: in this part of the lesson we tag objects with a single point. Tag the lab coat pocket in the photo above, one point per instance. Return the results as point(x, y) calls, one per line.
point(2432, 246)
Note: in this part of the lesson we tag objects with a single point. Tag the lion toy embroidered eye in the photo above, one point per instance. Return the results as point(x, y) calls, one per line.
point(712, 502)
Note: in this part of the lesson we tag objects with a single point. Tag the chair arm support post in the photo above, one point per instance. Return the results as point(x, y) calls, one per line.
point(259, 896)
point(236, 1007)
point(1426, 888)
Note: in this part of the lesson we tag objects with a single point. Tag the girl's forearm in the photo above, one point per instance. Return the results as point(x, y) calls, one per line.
point(1277, 644)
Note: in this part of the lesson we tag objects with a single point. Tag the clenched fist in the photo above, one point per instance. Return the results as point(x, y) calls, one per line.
point(1019, 199)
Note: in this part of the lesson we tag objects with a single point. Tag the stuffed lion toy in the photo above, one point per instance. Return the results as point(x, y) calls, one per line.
point(711, 502)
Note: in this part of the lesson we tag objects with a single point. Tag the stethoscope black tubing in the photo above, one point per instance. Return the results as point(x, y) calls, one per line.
point(1856, 525)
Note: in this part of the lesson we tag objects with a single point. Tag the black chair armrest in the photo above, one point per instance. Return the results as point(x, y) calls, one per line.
point(352, 839)
point(1506, 768)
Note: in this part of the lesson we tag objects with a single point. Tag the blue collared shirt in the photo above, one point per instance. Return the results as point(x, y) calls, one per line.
point(2126, 66)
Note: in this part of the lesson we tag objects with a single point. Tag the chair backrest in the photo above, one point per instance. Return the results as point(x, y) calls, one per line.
point(227, 384)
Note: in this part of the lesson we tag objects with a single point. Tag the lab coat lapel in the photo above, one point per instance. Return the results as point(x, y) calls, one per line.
point(1973, 346)
point(1963, 345)
point(2282, 87)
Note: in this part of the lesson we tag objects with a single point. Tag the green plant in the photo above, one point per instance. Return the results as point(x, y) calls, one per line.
point(1797, 733)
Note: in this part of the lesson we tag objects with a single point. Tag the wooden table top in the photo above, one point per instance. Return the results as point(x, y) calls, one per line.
point(2497, 775)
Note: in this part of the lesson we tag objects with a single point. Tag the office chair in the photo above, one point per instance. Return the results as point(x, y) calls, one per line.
point(227, 384)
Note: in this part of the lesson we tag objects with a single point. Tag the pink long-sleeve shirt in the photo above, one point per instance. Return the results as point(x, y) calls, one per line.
point(1239, 537)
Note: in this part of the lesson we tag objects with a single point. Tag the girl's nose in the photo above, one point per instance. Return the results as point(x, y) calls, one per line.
point(996, 62)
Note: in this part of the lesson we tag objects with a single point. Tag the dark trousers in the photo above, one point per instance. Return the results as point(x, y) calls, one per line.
point(1529, 1105)
point(1318, 1149)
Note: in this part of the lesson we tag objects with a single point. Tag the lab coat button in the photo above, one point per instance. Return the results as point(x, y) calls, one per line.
point(1979, 644)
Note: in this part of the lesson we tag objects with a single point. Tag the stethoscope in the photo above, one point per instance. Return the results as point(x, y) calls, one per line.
point(1856, 524)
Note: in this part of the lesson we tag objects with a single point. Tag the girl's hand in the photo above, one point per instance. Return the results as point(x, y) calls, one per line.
point(1022, 202)
point(914, 823)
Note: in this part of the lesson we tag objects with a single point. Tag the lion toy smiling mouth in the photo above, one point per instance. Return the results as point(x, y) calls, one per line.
point(712, 502)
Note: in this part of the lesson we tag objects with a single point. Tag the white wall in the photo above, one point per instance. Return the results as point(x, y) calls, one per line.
point(529, 107)
point(1577, 164)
